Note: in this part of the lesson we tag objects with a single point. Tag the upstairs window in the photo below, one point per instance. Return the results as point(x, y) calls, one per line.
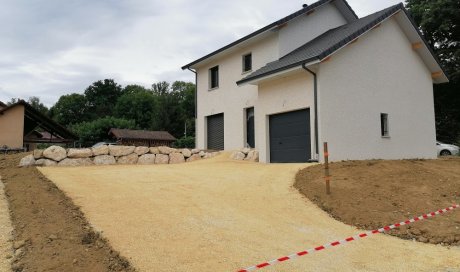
point(384, 125)
point(214, 77)
point(247, 63)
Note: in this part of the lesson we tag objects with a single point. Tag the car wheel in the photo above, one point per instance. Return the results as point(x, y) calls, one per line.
point(445, 153)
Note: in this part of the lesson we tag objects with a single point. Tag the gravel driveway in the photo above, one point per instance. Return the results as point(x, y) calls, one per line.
point(222, 215)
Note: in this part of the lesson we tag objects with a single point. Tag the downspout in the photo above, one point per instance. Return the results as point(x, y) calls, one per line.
point(196, 102)
point(315, 98)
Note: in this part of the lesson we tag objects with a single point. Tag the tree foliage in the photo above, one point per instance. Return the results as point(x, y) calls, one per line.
point(140, 105)
point(439, 21)
point(101, 97)
point(97, 130)
point(70, 109)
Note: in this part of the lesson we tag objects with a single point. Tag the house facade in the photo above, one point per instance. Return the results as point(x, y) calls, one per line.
point(321, 74)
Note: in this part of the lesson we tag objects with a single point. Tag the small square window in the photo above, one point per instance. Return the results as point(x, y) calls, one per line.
point(384, 125)
point(214, 77)
point(247, 62)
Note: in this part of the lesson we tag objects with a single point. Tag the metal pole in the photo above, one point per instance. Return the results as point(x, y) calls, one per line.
point(326, 169)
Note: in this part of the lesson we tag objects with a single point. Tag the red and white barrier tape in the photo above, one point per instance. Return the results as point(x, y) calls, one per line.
point(349, 239)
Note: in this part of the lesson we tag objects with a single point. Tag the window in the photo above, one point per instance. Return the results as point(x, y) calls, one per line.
point(247, 63)
point(384, 125)
point(250, 135)
point(214, 77)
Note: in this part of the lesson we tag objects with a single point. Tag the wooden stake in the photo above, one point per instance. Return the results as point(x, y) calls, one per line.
point(326, 169)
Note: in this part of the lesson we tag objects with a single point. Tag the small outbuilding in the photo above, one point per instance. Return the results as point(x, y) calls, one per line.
point(141, 137)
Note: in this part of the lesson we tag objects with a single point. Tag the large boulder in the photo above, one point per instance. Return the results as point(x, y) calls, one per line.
point(141, 150)
point(104, 160)
point(194, 157)
point(186, 152)
point(146, 159)
point(154, 150)
point(161, 159)
point(166, 150)
point(55, 153)
point(176, 158)
point(45, 162)
point(100, 150)
point(28, 160)
point(237, 155)
point(245, 150)
point(253, 155)
point(76, 162)
point(129, 159)
point(202, 153)
point(79, 153)
point(120, 150)
point(195, 151)
point(38, 153)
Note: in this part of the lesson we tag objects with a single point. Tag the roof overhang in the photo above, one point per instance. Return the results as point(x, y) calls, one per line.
point(342, 6)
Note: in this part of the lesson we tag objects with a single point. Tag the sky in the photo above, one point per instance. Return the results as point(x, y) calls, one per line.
point(49, 48)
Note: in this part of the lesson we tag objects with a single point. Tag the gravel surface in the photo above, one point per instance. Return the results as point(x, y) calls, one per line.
point(222, 215)
point(6, 247)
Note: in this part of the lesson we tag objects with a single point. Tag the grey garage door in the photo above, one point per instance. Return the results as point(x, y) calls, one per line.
point(290, 137)
point(216, 131)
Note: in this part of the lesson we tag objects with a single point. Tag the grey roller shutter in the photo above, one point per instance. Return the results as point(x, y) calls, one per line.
point(215, 131)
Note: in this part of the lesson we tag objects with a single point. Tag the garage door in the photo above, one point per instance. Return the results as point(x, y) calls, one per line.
point(216, 132)
point(290, 137)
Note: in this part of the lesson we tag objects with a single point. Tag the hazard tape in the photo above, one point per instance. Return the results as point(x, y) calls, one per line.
point(349, 239)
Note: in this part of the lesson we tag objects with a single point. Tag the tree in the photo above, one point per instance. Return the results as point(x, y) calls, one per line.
point(102, 96)
point(139, 105)
point(70, 109)
point(439, 21)
point(130, 89)
point(97, 130)
point(34, 101)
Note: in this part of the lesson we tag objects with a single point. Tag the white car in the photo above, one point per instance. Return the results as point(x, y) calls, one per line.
point(446, 149)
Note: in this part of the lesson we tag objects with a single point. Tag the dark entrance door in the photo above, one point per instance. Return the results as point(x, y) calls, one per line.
point(250, 135)
point(215, 132)
point(290, 137)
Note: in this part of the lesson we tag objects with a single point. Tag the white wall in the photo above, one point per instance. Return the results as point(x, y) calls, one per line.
point(380, 73)
point(307, 27)
point(229, 98)
point(293, 92)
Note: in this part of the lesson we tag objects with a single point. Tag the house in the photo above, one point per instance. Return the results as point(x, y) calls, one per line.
point(321, 74)
point(22, 126)
point(141, 137)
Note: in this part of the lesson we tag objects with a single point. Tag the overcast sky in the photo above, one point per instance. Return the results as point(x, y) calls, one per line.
point(53, 47)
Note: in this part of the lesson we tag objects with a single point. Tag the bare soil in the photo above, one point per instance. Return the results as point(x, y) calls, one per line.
point(50, 232)
point(373, 194)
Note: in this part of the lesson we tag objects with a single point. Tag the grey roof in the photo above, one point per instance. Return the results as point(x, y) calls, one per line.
point(268, 27)
point(324, 45)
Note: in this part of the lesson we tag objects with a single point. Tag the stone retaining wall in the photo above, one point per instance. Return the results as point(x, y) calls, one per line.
point(113, 154)
point(245, 154)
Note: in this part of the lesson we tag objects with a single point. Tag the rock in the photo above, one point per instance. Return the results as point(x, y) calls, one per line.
point(237, 155)
point(255, 157)
point(154, 150)
point(104, 160)
point(416, 232)
point(19, 252)
point(38, 153)
point(202, 153)
point(195, 151)
point(166, 150)
point(245, 150)
point(176, 158)
point(146, 159)
point(129, 159)
point(249, 155)
point(161, 159)
point(52, 237)
point(120, 150)
point(45, 162)
point(19, 244)
point(56, 153)
point(100, 150)
point(28, 160)
point(194, 157)
point(76, 162)
point(186, 152)
point(141, 150)
point(79, 153)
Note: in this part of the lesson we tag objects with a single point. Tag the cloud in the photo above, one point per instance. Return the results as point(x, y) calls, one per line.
point(54, 47)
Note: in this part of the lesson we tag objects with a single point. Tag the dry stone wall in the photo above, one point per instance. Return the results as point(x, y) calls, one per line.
point(245, 154)
point(113, 154)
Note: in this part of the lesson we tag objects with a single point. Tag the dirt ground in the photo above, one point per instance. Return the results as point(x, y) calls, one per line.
point(6, 229)
point(50, 232)
point(223, 215)
point(373, 194)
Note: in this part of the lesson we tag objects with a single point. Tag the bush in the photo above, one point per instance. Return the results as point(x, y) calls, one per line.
point(185, 142)
point(97, 130)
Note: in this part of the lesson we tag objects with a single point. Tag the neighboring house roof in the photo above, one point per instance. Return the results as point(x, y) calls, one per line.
point(2, 105)
point(271, 26)
point(141, 134)
point(329, 42)
point(34, 118)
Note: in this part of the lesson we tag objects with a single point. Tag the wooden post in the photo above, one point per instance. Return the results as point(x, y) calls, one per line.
point(326, 169)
